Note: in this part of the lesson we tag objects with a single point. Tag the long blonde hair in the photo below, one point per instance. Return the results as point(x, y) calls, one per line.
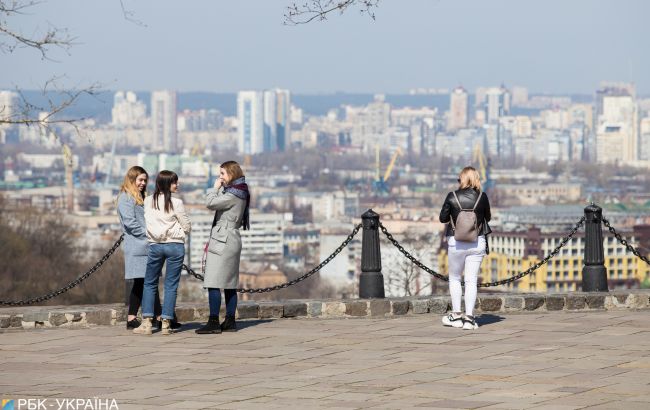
point(469, 178)
point(128, 186)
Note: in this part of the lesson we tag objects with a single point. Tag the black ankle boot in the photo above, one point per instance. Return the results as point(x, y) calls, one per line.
point(212, 327)
point(229, 324)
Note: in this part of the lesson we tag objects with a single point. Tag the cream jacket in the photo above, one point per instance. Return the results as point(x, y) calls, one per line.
point(164, 227)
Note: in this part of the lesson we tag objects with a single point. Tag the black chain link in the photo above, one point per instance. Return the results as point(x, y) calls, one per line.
point(624, 242)
point(518, 276)
point(294, 281)
point(70, 285)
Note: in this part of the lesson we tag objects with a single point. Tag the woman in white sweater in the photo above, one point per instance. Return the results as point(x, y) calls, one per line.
point(167, 227)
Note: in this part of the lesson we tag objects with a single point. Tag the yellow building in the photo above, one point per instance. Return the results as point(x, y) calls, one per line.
point(514, 252)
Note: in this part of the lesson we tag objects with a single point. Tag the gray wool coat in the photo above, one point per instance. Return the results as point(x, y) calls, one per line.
point(135, 246)
point(224, 247)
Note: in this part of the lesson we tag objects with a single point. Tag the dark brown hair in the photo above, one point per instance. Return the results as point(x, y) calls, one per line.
point(164, 181)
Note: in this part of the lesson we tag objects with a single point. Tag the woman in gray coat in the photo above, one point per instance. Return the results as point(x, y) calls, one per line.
point(130, 209)
point(230, 199)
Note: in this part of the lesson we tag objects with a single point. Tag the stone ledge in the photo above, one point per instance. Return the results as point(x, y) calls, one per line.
point(30, 317)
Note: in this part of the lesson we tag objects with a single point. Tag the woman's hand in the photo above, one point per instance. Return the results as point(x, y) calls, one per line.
point(218, 183)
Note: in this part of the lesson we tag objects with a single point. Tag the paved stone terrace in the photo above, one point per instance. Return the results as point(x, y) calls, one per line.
point(546, 360)
point(34, 317)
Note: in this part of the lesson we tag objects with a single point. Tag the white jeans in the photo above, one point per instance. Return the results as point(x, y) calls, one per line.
point(467, 257)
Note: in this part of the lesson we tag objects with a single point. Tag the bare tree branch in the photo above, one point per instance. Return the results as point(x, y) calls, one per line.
point(403, 277)
point(11, 39)
point(129, 15)
point(51, 115)
point(319, 9)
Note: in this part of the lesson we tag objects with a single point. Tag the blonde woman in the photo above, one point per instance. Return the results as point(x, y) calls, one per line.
point(130, 209)
point(465, 257)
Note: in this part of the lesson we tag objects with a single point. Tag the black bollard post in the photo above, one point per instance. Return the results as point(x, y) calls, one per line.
point(594, 272)
point(371, 281)
point(128, 284)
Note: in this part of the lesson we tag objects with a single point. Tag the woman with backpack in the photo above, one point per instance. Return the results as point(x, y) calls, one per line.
point(467, 212)
point(167, 227)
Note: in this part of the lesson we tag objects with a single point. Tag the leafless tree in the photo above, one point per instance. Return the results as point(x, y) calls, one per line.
point(403, 277)
point(303, 13)
point(43, 41)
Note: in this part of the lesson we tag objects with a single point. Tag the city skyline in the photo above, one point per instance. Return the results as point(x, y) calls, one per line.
point(442, 44)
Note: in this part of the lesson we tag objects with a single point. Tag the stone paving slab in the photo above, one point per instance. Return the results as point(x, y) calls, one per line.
point(552, 360)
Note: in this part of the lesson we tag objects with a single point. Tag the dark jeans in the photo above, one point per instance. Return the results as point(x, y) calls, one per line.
point(173, 254)
point(135, 298)
point(214, 299)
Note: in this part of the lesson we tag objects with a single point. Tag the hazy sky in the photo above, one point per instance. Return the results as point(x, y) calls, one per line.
point(224, 46)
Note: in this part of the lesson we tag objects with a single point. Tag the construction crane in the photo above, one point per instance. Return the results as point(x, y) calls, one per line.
point(483, 163)
point(380, 181)
point(107, 179)
point(68, 163)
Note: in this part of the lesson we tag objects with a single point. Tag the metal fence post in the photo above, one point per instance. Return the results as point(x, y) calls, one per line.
point(371, 281)
point(594, 272)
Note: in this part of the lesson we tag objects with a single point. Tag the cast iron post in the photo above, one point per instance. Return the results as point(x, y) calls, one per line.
point(371, 281)
point(594, 272)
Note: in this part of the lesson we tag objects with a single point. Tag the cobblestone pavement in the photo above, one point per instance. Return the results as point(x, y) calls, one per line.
point(515, 361)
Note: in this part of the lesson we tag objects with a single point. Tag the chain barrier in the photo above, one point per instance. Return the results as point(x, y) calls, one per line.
point(624, 242)
point(70, 285)
point(518, 276)
point(338, 250)
point(294, 281)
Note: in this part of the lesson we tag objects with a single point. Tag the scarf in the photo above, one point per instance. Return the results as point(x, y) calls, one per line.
point(239, 188)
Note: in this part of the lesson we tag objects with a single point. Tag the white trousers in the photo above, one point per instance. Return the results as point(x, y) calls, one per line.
point(464, 259)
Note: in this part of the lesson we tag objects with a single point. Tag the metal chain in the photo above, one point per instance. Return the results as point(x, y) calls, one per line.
point(294, 281)
point(69, 285)
point(624, 242)
point(518, 276)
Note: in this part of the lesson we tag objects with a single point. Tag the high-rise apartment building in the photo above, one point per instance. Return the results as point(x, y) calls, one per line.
point(458, 109)
point(644, 139)
point(264, 120)
point(270, 129)
point(519, 96)
point(250, 114)
point(479, 97)
point(617, 131)
point(9, 101)
point(127, 110)
point(163, 121)
point(283, 119)
point(497, 103)
point(612, 89)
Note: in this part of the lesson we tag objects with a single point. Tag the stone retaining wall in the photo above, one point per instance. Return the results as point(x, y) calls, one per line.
point(30, 317)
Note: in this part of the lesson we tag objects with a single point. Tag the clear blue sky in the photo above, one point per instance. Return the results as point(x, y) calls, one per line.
point(559, 46)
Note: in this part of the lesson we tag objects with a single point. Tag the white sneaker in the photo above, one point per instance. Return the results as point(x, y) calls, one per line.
point(469, 323)
point(453, 320)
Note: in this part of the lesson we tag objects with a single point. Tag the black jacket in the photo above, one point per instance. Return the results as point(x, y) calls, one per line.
point(467, 198)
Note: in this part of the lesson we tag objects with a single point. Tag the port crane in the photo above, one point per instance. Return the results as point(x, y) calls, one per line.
point(379, 184)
